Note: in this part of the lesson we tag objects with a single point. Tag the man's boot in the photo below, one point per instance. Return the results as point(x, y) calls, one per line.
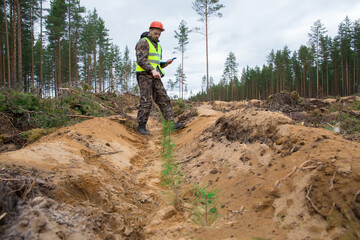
point(142, 129)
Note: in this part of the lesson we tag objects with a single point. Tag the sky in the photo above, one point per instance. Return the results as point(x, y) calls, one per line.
point(249, 28)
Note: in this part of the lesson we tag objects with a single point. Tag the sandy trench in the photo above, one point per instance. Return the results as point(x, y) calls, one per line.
point(100, 180)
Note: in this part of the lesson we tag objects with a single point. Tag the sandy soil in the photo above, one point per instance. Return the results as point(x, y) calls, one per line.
point(101, 180)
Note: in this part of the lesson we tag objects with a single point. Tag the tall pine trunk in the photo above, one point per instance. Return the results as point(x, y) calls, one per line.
point(354, 76)
point(2, 69)
point(95, 68)
point(19, 47)
point(13, 55)
point(56, 72)
point(85, 68)
point(69, 47)
point(41, 60)
point(32, 53)
point(7, 48)
point(327, 79)
point(207, 53)
point(76, 59)
point(182, 73)
point(100, 77)
point(59, 64)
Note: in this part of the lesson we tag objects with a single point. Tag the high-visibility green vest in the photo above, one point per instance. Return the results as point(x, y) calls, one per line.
point(154, 57)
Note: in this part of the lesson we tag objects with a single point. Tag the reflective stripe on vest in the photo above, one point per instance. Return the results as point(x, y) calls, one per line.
point(154, 57)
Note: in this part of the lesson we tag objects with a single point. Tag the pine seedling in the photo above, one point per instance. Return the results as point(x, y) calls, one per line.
point(170, 174)
point(206, 206)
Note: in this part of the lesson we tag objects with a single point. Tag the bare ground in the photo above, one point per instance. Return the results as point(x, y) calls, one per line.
point(99, 179)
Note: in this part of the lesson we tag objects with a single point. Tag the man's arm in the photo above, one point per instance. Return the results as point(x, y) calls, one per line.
point(142, 54)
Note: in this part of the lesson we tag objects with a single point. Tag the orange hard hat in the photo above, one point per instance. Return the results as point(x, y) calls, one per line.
point(158, 25)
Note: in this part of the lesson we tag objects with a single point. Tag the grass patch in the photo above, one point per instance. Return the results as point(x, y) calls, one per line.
point(180, 107)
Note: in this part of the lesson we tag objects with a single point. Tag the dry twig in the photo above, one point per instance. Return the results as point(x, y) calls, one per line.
point(30, 188)
point(311, 202)
point(10, 179)
point(80, 116)
point(3, 215)
point(23, 185)
point(304, 163)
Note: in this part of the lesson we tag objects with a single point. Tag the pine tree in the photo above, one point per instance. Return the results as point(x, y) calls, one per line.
point(180, 80)
point(126, 68)
point(183, 39)
point(324, 52)
point(356, 42)
point(230, 71)
point(207, 9)
point(317, 32)
point(55, 24)
point(345, 50)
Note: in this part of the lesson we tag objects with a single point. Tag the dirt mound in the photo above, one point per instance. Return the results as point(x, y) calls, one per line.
point(283, 101)
point(94, 192)
point(277, 180)
point(248, 125)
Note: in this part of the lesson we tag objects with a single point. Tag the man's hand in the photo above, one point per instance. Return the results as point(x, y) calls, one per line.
point(156, 74)
point(169, 61)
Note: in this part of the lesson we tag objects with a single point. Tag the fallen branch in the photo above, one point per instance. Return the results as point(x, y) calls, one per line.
point(106, 153)
point(23, 185)
point(30, 188)
point(10, 179)
point(312, 204)
point(242, 209)
point(107, 107)
point(3, 215)
point(291, 173)
point(310, 167)
point(304, 163)
point(81, 116)
point(286, 177)
point(295, 169)
point(117, 119)
point(191, 157)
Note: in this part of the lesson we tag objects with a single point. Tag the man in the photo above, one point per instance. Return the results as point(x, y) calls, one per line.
point(149, 73)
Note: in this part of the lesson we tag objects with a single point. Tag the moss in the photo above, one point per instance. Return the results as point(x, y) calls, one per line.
point(36, 133)
point(356, 106)
point(294, 95)
point(316, 113)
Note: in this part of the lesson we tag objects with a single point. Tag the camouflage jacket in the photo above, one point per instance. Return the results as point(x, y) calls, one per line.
point(142, 53)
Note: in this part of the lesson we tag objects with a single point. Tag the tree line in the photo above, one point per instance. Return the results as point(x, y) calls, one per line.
point(325, 66)
point(43, 50)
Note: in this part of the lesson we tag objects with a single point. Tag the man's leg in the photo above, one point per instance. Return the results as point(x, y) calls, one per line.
point(145, 85)
point(162, 100)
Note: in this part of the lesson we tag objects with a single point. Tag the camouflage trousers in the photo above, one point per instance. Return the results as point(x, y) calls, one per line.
point(151, 88)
